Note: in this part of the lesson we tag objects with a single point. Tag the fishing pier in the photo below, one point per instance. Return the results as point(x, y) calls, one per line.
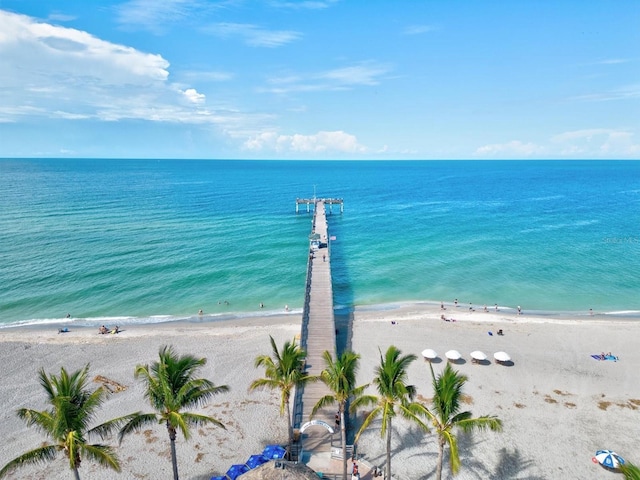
point(318, 334)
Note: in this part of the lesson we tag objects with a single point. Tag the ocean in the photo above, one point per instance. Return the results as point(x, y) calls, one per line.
point(144, 241)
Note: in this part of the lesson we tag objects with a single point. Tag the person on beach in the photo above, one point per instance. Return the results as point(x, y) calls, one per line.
point(455, 302)
point(442, 306)
point(102, 330)
point(519, 310)
point(200, 312)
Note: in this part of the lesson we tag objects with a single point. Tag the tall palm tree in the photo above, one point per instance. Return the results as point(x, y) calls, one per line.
point(171, 388)
point(446, 416)
point(283, 371)
point(393, 393)
point(66, 423)
point(340, 377)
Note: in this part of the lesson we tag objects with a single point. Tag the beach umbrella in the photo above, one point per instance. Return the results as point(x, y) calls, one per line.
point(274, 452)
point(429, 353)
point(236, 470)
point(609, 458)
point(478, 356)
point(256, 460)
point(502, 356)
point(220, 477)
point(453, 355)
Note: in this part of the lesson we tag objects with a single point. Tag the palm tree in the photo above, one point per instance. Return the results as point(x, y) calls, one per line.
point(283, 371)
point(171, 388)
point(447, 402)
point(340, 377)
point(393, 392)
point(66, 423)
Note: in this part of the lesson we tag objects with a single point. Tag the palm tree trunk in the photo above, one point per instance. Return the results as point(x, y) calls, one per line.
point(174, 459)
point(440, 459)
point(289, 429)
point(388, 477)
point(76, 473)
point(343, 438)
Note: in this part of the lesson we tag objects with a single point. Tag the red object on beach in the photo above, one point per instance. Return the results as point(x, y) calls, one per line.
point(594, 459)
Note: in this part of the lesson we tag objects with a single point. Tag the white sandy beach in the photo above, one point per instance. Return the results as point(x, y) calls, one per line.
point(557, 403)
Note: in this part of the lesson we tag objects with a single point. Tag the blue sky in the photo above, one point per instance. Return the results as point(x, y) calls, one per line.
point(337, 79)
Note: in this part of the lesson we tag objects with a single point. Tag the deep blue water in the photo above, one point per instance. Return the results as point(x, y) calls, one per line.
point(145, 240)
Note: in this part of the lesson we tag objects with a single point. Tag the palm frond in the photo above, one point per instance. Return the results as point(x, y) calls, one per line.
point(135, 422)
point(32, 457)
point(103, 455)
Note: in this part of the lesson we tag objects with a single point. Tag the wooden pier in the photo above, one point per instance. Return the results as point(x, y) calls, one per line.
point(318, 334)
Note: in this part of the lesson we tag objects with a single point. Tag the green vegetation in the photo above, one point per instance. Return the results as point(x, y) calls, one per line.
point(171, 388)
point(446, 416)
point(340, 377)
point(283, 371)
point(393, 394)
point(66, 423)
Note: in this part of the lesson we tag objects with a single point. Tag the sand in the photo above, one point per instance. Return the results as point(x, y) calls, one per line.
point(558, 404)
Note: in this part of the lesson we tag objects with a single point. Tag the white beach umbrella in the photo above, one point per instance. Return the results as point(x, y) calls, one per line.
point(429, 353)
point(502, 356)
point(453, 355)
point(478, 355)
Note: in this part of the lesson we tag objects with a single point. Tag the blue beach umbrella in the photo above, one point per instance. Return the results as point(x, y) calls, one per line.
point(256, 460)
point(219, 477)
point(609, 459)
point(236, 470)
point(274, 452)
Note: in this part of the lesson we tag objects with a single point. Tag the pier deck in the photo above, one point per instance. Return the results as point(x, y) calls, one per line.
point(318, 332)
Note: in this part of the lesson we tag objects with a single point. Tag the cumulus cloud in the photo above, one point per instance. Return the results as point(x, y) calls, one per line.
point(321, 142)
point(192, 96)
point(515, 148)
point(64, 73)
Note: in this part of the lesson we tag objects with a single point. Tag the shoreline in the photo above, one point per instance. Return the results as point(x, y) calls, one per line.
point(427, 306)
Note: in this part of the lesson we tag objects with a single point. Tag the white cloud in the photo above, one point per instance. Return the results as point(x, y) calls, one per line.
point(193, 96)
point(155, 15)
point(596, 142)
point(321, 142)
point(625, 92)
point(253, 35)
point(515, 148)
point(367, 73)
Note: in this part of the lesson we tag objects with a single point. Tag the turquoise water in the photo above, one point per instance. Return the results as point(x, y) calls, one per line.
point(146, 241)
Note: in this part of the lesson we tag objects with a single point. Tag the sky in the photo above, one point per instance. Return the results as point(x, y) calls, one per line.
point(320, 79)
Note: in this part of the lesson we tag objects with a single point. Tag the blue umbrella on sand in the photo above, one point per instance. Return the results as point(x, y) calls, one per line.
point(256, 460)
point(274, 452)
point(220, 477)
point(236, 470)
point(609, 458)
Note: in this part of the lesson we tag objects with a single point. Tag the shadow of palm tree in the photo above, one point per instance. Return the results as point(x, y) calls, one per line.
point(511, 464)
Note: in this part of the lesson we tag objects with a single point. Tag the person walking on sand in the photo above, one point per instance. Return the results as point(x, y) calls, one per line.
point(519, 310)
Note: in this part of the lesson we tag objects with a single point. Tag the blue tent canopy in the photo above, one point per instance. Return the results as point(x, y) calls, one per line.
point(236, 470)
point(256, 460)
point(274, 452)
